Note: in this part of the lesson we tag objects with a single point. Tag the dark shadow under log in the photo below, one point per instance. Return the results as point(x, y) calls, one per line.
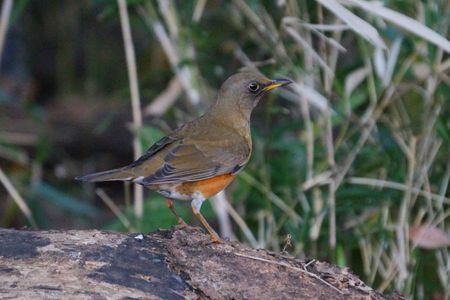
point(180, 263)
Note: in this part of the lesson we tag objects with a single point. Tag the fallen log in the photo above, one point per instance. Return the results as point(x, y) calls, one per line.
point(180, 263)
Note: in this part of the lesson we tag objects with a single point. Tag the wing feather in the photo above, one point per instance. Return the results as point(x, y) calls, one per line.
point(197, 160)
point(154, 149)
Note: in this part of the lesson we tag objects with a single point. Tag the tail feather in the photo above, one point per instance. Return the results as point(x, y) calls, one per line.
point(120, 174)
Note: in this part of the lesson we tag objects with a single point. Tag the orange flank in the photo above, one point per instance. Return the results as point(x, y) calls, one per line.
point(207, 187)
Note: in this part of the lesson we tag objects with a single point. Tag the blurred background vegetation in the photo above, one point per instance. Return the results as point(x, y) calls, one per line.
point(350, 164)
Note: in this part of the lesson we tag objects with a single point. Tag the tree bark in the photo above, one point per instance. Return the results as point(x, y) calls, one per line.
point(180, 263)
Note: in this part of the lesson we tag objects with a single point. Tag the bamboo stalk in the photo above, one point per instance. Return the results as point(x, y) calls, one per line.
point(135, 100)
point(115, 209)
point(17, 198)
point(4, 21)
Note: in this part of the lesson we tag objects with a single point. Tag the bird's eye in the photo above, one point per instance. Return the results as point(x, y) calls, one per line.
point(253, 87)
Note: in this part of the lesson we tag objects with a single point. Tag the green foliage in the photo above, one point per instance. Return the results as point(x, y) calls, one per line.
point(46, 192)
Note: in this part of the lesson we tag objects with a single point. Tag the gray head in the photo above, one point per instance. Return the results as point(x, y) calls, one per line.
point(242, 91)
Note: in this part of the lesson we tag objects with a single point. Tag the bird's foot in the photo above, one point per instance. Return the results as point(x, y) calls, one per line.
point(215, 239)
point(182, 223)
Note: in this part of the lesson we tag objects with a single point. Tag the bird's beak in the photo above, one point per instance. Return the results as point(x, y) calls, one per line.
point(273, 84)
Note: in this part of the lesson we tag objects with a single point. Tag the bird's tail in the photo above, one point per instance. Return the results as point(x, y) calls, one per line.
point(121, 174)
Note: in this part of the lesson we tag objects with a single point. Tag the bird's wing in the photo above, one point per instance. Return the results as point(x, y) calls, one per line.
point(192, 160)
point(154, 149)
point(177, 158)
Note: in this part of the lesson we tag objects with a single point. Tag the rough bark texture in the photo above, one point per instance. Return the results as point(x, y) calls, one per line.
point(167, 264)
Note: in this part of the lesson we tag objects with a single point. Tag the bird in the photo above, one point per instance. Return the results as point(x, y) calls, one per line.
point(202, 157)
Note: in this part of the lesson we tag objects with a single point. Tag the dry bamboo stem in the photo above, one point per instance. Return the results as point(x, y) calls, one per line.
point(135, 99)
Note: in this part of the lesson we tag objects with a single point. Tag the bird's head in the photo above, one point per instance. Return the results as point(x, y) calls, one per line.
point(243, 91)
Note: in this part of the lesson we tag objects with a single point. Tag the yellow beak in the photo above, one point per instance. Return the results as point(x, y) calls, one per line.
point(273, 84)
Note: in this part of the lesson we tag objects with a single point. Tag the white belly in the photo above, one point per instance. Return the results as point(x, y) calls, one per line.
point(171, 193)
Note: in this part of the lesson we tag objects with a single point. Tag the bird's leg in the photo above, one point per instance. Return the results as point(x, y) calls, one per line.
point(196, 205)
point(169, 203)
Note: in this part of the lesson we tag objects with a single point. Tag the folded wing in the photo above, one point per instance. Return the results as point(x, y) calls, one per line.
point(198, 160)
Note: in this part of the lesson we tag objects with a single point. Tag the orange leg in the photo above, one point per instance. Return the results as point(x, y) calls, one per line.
point(169, 203)
point(196, 204)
